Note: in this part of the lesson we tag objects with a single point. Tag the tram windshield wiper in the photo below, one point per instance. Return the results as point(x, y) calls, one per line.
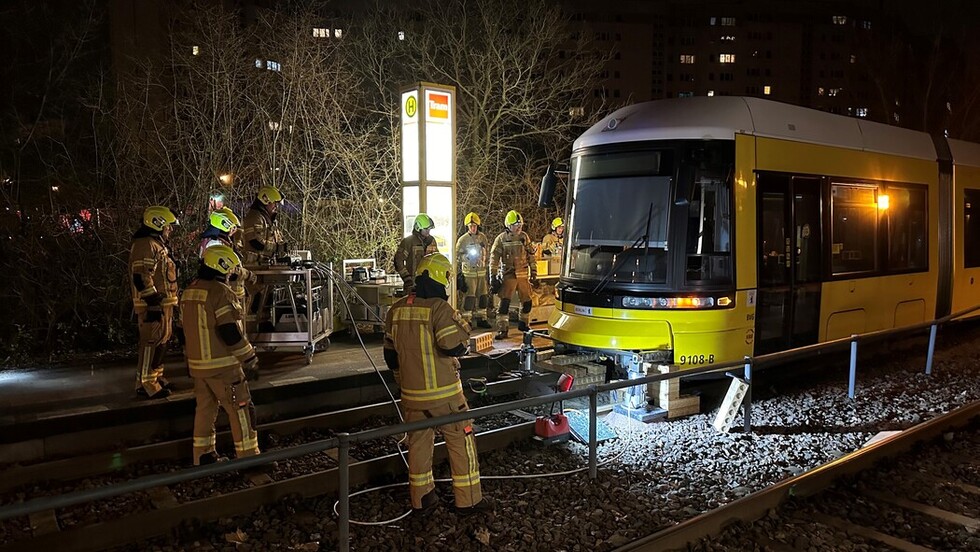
point(644, 239)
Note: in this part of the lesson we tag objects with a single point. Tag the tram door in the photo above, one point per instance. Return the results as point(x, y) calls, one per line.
point(789, 233)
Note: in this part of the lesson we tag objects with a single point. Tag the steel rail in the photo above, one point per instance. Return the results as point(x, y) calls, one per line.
point(143, 525)
point(757, 505)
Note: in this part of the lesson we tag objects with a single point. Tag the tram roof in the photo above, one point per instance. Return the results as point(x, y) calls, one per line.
point(721, 117)
point(965, 153)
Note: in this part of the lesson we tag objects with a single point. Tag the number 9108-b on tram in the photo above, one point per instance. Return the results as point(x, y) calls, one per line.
point(703, 230)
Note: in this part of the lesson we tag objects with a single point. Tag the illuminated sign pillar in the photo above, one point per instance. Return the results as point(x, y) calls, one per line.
point(428, 121)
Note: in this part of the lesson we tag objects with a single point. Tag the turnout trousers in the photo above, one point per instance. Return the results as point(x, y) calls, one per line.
point(523, 287)
point(153, 339)
point(461, 445)
point(476, 303)
point(229, 390)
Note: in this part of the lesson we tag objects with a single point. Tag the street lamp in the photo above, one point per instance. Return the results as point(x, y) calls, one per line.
point(227, 179)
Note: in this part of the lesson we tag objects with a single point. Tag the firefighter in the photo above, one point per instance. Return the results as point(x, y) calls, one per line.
point(552, 244)
point(222, 230)
point(219, 356)
point(424, 335)
point(236, 237)
point(411, 250)
point(153, 282)
point(471, 251)
point(512, 266)
point(261, 242)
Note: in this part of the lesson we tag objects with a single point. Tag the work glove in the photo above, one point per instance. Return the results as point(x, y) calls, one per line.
point(461, 283)
point(154, 299)
point(153, 316)
point(546, 252)
point(496, 282)
point(251, 368)
point(534, 282)
point(409, 283)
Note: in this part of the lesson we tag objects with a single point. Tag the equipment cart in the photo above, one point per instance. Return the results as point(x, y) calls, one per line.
point(368, 292)
point(302, 308)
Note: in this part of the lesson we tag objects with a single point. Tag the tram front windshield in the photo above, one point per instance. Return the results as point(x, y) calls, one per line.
point(618, 217)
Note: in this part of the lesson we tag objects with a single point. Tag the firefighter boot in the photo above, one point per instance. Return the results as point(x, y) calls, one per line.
point(503, 325)
point(210, 458)
point(484, 506)
point(429, 501)
point(481, 323)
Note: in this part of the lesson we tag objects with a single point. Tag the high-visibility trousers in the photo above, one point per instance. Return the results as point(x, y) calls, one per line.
point(523, 287)
point(461, 445)
point(153, 340)
point(475, 303)
point(229, 390)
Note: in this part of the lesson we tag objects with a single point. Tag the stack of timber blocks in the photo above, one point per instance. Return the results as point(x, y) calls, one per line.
point(481, 342)
point(668, 395)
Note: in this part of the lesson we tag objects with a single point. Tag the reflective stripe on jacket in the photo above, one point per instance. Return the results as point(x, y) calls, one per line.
point(205, 305)
point(149, 258)
point(420, 330)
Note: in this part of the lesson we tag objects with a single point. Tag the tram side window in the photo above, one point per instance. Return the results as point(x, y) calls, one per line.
point(709, 229)
point(971, 228)
point(905, 223)
point(854, 223)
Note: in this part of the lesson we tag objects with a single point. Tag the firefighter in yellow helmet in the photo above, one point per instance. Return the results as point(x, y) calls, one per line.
point(472, 249)
point(261, 242)
point(552, 244)
point(219, 356)
point(424, 335)
point(512, 267)
point(413, 247)
point(153, 282)
point(222, 230)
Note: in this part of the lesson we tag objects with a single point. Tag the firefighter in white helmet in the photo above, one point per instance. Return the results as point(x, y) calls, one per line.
point(424, 335)
point(153, 282)
point(512, 267)
point(472, 250)
point(413, 247)
point(219, 356)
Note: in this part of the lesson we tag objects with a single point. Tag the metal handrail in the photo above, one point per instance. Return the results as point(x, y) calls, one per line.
point(343, 441)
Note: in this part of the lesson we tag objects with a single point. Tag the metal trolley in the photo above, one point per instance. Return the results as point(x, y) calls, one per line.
point(301, 304)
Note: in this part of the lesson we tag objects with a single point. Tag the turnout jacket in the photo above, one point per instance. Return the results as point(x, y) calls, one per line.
point(512, 255)
point(421, 332)
point(471, 253)
point(240, 275)
point(260, 230)
point(552, 243)
point(204, 306)
point(150, 261)
point(410, 251)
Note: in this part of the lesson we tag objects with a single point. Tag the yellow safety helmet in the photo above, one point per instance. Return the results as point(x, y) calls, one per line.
point(556, 223)
point(159, 217)
point(471, 218)
point(231, 215)
point(513, 217)
point(221, 221)
point(221, 258)
point(269, 194)
point(423, 222)
point(438, 266)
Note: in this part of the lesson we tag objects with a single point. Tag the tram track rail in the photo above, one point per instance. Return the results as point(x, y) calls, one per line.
point(810, 485)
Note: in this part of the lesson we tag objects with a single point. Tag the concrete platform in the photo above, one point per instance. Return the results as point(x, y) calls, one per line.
point(60, 399)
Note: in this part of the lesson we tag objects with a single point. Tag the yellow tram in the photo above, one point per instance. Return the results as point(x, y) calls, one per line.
point(702, 230)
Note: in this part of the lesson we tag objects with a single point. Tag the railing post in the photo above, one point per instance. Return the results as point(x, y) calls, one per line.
point(747, 401)
point(932, 347)
point(853, 375)
point(343, 488)
point(593, 432)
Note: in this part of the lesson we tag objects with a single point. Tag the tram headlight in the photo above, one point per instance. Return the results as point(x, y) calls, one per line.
point(630, 302)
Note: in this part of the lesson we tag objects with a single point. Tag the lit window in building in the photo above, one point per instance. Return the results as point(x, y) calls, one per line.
point(726, 58)
point(338, 33)
point(767, 90)
point(274, 125)
point(840, 20)
point(862, 112)
point(685, 94)
point(320, 32)
point(711, 93)
point(728, 38)
point(401, 35)
point(727, 21)
point(833, 91)
point(273, 65)
point(854, 58)
point(687, 58)
point(820, 91)
point(866, 25)
point(195, 50)
point(259, 64)
point(713, 21)
point(895, 116)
